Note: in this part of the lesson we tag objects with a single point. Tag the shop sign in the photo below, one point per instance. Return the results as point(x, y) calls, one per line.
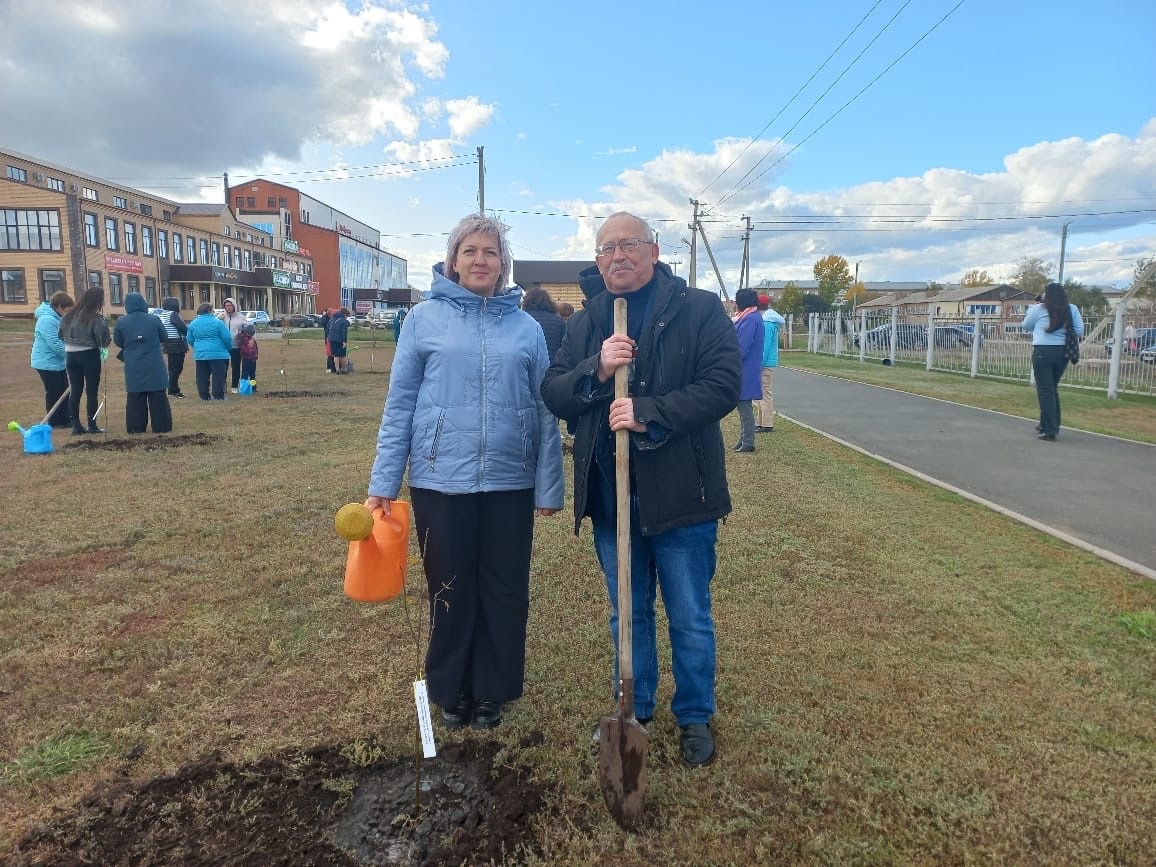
point(344, 229)
point(314, 287)
point(303, 251)
point(282, 280)
point(220, 275)
point(116, 262)
point(362, 306)
point(290, 246)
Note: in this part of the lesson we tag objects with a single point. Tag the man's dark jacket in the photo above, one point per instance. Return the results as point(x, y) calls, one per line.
point(686, 379)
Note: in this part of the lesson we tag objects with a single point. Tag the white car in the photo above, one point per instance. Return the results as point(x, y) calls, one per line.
point(257, 317)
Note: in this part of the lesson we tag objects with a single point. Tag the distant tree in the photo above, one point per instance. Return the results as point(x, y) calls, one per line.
point(1032, 274)
point(1148, 290)
point(1088, 300)
point(792, 301)
point(976, 277)
point(815, 304)
point(834, 276)
point(932, 286)
point(857, 294)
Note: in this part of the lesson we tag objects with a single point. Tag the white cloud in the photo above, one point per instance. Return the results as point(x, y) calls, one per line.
point(467, 116)
point(613, 152)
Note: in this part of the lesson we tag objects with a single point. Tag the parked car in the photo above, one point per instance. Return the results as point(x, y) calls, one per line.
point(258, 317)
point(302, 320)
point(954, 336)
point(907, 336)
point(1148, 356)
point(1144, 338)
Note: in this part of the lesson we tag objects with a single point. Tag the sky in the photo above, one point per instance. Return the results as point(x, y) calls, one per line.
point(918, 139)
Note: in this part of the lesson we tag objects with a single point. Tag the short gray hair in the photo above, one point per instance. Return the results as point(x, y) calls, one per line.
point(487, 225)
point(645, 225)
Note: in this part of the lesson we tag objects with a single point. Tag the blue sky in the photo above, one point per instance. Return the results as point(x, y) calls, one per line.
point(1025, 113)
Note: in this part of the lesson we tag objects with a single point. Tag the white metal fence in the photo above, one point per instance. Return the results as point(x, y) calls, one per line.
point(1001, 350)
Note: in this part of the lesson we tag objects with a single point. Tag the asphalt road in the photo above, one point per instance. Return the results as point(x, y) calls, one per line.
point(1096, 490)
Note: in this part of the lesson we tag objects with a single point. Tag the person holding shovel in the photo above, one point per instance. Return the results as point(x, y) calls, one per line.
point(464, 414)
point(685, 377)
point(85, 333)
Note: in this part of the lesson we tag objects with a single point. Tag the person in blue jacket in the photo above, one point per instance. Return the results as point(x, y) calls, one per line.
point(212, 345)
point(141, 336)
point(465, 413)
point(749, 331)
point(49, 358)
point(1047, 321)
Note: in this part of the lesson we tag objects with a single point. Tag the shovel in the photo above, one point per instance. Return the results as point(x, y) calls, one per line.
point(622, 739)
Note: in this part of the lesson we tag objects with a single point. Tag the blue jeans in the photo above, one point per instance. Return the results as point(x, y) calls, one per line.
point(681, 562)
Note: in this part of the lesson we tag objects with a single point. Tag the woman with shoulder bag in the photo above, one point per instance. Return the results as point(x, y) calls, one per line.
point(85, 333)
point(176, 346)
point(1048, 322)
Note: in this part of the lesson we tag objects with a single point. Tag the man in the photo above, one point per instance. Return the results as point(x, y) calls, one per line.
point(685, 378)
point(749, 332)
point(772, 322)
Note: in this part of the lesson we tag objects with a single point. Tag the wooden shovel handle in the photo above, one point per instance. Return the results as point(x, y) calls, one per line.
point(622, 490)
point(56, 406)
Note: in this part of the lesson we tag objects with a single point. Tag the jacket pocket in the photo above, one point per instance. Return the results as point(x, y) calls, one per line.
point(435, 441)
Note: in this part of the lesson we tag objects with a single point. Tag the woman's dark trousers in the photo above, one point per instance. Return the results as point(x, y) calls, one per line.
point(476, 552)
point(234, 367)
point(140, 405)
point(84, 378)
point(55, 382)
point(176, 365)
point(1049, 364)
point(212, 373)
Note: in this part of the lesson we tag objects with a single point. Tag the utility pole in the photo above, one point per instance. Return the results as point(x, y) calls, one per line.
point(692, 278)
point(745, 270)
point(481, 181)
point(1063, 246)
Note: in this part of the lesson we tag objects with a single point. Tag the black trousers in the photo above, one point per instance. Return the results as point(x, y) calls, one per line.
point(55, 382)
point(211, 373)
point(140, 405)
point(234, 367)
point(84, 378)
point(1049, 364)
point(476, 553)
point(176, 365)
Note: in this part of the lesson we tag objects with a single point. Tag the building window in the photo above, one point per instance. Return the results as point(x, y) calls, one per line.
point(115, 289)
point(110, 238)
point(151, 291)
point(29, 230)
point(146, 240)
point(282, 202)
point(228, 231)
point(236, 257)
point(192, 258)
point(133, 283)
point(166, 215)
point(178, 249)
point(248, 261)
point(205, 290)
point(56, 184)
point(162, 244)
point(12, 280)
point(119, 202)
point(228, 261)
point(51, 282)
point(90, 235)
point(17, 174)
point(251, 201)
point(204, 251)
point(147, 210)
point(249, 237)
point(94, 281)
point(216, 253)
point(272, 202)
point(129, 237)
point(90, 194)
point(240, 202)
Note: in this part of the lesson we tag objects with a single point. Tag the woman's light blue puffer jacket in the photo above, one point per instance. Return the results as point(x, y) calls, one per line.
point(464, 408)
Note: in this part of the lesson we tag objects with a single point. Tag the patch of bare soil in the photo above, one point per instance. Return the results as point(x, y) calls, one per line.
point(147, 442)
point(301, 808)
point(293, 393)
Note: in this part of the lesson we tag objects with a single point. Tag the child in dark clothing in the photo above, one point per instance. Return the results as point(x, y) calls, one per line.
point(247, 345)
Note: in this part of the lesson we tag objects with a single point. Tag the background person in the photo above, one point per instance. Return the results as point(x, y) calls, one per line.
point(141, 337)
point(234, 320)
point(538, 303)
point(749, 331)
point(247, 345)
point(484, 458)
point(398, 319)
point(326, 318)
point(176, 347)
point(772, 322)
point(49, 358)
point(565, 310)
point(1047, 322)
point(338, 335)
point(686, 378)
point(85, 333)
point(211, 343)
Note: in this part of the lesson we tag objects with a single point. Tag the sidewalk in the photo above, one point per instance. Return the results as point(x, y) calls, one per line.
point(1095, 491)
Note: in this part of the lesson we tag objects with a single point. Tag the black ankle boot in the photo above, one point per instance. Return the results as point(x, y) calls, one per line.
point(487, 715)
point(93, 429)
point(77, 430)
point(459, 714)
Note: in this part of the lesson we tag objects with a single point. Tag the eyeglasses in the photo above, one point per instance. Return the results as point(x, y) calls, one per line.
point(627, 245)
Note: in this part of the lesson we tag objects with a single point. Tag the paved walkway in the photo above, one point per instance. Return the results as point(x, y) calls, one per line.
point(1094, 491)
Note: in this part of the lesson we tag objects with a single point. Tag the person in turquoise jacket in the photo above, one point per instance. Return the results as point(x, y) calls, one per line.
point(1048, 321)
point(212, 345)
point(49, 358)
point(465, 414)
point(772, 322)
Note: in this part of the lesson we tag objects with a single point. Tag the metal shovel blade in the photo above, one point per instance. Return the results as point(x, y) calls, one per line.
point(622, 768)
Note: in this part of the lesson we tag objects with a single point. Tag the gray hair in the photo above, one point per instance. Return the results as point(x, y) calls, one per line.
point(477, 223)
point(645, 225)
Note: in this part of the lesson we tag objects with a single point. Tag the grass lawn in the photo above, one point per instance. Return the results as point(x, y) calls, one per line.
point(904, 677)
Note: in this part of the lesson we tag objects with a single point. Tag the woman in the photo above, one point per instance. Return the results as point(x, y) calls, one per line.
point(49, 358)
point(212, 344)
point(176, 346)
point(749, 330)
point(484, 455)
point(538, 303)
point(1048, 323)
point(85, 334)
point(338, 334)
point(141, 336)
point(235, 321)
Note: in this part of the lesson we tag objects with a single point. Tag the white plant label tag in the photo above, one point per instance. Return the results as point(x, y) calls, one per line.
point(424, 723)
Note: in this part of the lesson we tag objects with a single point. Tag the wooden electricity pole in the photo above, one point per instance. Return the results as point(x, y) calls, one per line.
point(481, 181)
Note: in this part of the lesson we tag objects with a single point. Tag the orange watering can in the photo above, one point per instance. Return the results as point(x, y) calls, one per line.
point(375, 566)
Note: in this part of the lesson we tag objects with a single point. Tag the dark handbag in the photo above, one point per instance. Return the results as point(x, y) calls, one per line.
point(1071, 345)
point(175, 346)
